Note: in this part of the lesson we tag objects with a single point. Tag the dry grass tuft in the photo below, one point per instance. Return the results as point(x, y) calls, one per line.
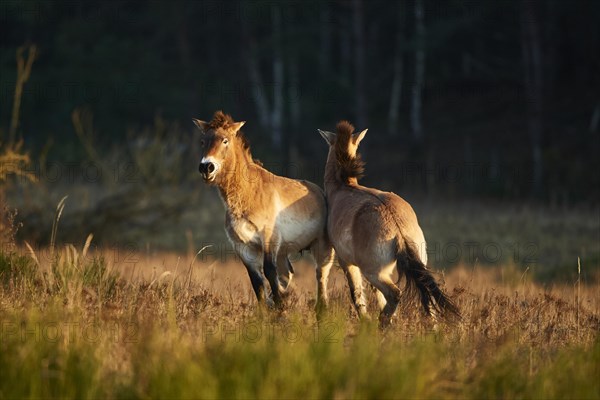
point(150, 327)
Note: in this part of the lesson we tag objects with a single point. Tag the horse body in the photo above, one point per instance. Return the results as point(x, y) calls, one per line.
point(285, 217)
point(371, 219)
point(268, 217)
point(375, 232)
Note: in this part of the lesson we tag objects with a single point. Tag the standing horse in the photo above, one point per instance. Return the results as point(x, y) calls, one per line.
point(268, 217)
point(374, 232)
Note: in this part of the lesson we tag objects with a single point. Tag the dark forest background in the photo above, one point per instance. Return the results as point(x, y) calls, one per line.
point(491, 99)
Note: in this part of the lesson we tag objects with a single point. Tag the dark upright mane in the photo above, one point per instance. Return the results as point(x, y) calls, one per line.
point(222, 120)
point(349, 166)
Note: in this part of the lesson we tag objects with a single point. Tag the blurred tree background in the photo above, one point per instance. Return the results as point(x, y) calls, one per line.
point(493, 99)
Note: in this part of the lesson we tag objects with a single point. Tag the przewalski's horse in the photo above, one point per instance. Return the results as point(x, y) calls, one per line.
point(268, 217)
point(374, 232)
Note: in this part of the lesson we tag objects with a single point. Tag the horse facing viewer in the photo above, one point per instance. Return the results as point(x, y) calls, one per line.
point(375, 232)
point(268, 217)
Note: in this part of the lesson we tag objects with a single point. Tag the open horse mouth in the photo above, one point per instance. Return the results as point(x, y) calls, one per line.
point(208, 178)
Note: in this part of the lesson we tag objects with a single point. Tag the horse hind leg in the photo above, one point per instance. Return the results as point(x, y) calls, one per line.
point(383, 282)
point(381, 301)
point(323, 256)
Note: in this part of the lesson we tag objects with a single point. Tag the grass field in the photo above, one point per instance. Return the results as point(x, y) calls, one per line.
point(137, 321)
point(121, 317)
point(77, 323)
point(127, 319)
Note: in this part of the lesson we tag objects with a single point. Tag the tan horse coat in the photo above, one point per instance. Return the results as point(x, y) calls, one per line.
point(268, 217)
point(375, 232)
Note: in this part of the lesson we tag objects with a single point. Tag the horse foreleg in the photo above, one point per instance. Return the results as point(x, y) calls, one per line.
point(256, 278)
point(252, 260)
point(271, 274)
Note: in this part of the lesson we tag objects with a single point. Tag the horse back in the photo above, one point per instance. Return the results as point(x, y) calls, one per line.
point(361, 218)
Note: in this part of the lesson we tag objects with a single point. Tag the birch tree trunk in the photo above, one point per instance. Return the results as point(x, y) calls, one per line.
point(325, 38)
point(345, 37)
point(531, 48)
point(359, 64)
point(294, 90)
point(185, 55)
point(258, 89)
point(417, 87)
point(278, 71)
point(293, 100)
point(270, 113)
point(397, 79)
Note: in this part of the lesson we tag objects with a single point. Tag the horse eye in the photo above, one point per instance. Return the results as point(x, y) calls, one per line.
point(225, 141)
point(202, 143)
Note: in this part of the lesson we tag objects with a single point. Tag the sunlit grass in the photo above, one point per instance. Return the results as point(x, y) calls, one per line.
point(78, 328)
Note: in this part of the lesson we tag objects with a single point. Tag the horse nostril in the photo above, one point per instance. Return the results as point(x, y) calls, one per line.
point(207, 168)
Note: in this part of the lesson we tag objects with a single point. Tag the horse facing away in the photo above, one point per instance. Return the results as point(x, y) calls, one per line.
point(374, 232)
point(268, 217)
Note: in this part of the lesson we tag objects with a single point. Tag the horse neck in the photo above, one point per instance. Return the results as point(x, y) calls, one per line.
point(238, 189)
point(333, 180)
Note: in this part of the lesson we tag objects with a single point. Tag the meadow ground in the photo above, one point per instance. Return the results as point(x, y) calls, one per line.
point(90, 323)
point(99, 321)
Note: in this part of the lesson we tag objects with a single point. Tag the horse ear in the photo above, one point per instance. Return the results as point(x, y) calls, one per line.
point(236, 126)
point(202, 125)
point(328, 136)
point(358, 137)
